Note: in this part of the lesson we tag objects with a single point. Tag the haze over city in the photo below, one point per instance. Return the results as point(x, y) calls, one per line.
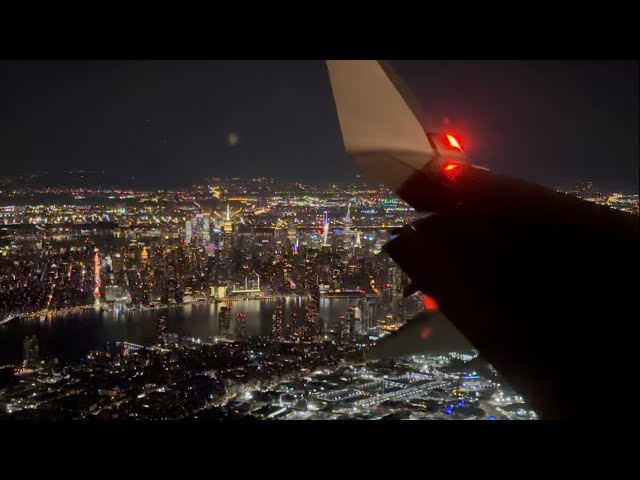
point(170, 123)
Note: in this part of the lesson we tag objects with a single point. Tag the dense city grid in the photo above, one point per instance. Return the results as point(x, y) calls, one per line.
point(64, 250)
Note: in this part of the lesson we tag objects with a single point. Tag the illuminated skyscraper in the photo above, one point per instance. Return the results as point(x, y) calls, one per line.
point(347, 220)
point(198, 230)
point(241, 325)
point(357, 322)
point(30, 350)
point(293, 327)
point(206, 231)
point(353, 321)
point(292, 235)
point(370, 311)
point(313, 325)
point(228, 225)
point(342, 328)
point(189, 231)
point(227, 219)
point(96, 274)
point(325, 230)
point(276, 328)
point(224, 320)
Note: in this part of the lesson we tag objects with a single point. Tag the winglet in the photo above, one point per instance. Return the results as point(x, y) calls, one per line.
point(379, 129)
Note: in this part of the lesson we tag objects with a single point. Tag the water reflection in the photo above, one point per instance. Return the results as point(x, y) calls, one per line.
point(70, 337)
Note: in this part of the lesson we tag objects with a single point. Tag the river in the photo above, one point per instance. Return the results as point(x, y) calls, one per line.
point(71, 336)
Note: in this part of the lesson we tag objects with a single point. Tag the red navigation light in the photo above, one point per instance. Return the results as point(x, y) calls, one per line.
point(425, 333)
point(362, 291)
point(452, 170)
point(450, 167)
point(429, 303)
point(453, 141)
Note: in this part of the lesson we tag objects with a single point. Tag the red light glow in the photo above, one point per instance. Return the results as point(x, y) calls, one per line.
point(452, 170)
point(454, 142)
point(425, 333)
point(429, 303)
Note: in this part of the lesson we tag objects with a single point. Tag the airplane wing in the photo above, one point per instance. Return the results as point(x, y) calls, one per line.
point(380, 130)
point(519, 269)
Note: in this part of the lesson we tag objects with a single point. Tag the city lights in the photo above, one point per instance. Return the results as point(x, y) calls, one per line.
point(289, 315)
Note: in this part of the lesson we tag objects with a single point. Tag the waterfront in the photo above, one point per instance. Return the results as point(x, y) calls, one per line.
point(69, 337)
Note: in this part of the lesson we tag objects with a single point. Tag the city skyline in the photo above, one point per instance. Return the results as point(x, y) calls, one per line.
point(236, 299)
point(190, 239)
point(254, 299)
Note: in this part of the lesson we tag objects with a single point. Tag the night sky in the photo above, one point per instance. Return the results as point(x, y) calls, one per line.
point(170, 123)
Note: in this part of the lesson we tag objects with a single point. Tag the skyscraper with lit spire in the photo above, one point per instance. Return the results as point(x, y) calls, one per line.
point(347, 220)
point(325, 230)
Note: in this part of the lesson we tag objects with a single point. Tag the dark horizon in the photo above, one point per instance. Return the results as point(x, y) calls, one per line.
point(173, 123)
point(137, 184)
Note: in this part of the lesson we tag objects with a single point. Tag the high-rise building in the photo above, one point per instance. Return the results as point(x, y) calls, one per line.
point(30, 350)
point(369, 309)
point(117, 293)
point(293, 327)
point(342, 328)
point(206, 230)
point(241, 325)
point(313, 323)
point(357, 321)
point(292, 235)
point(277, 325)
point(224, 320)
point(227, 225)
point(325, 230)
point(353, 321)
point(189, 232)
point(198, 230)
point(347, 220)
